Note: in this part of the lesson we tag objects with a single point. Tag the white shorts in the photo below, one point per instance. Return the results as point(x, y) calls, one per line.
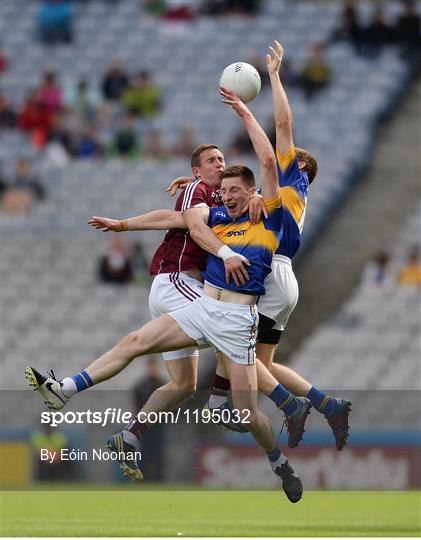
point(281, 292)
point(229, 328)
point(170, 292)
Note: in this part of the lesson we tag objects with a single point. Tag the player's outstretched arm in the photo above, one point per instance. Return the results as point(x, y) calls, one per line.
point(157, 220)
point(235, 264)
point(281, 109)
point(260, 141)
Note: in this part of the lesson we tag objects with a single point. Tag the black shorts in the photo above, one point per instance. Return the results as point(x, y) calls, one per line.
point(266, 333)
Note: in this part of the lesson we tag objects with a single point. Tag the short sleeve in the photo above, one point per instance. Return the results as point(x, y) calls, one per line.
point(287, 164)
point(195, 196)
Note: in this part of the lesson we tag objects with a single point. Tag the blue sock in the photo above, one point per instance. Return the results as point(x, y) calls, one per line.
point(282, 399)
point(82, 381)
point(321, 402)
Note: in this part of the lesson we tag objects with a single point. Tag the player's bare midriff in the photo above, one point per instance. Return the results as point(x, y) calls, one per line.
point(232, 297)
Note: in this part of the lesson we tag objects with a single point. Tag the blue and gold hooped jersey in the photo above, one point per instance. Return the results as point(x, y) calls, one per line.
point(258, 242)
point(294, 189)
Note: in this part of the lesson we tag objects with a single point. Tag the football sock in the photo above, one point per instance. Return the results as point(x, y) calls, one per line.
point(68, 387)
point(323, 403)
point(133, 430)
point(220, 389)
point(276, 458)
point(71, 385)
point(129, 437)
point(284, 400)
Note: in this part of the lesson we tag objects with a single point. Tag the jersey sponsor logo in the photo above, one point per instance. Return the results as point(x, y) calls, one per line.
point(229, 234)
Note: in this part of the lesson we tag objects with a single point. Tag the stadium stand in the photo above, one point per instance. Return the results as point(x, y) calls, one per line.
point(49, 256)
point(372, 343)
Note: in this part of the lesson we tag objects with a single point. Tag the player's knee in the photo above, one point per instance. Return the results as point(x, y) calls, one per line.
point(131, 344)
point(188, 386)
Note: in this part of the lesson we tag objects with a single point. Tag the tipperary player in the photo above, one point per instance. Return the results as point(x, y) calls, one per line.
point(225, 317)
point(297, 169)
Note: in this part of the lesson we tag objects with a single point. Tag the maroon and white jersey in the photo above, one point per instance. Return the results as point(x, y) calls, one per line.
point(178, 252)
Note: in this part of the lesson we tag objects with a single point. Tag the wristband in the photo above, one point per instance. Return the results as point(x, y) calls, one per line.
point(226, 252)
point(123, 226)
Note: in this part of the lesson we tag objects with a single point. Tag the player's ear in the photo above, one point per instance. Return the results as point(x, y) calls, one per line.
point(301, 165)
point(252, 191)
point(195, 171)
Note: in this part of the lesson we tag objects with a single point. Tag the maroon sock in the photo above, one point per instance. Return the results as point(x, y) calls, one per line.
point(220, 386)
point(136, 427)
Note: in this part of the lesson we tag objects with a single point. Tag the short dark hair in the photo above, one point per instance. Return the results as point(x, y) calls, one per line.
point(244, 172)
point(197, 152)
point(310, 161)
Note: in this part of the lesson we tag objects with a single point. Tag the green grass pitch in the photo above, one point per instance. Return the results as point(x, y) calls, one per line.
point(146, 512)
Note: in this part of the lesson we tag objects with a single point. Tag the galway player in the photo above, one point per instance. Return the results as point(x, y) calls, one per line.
point(225, 316)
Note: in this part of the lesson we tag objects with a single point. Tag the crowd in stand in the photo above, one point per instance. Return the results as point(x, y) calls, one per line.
point(379, 273)
point(123, 264)
point(83, 121)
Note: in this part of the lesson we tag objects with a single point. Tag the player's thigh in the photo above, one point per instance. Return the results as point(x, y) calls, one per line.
point(183, 371)
point(243, 380)
point(265, 352)
point(170, 292)
point(281, 295)
point(161, 334)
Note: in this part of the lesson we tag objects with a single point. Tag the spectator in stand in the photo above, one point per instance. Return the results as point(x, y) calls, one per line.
point(407, 31)
point(350, 28)
point(126, 141)
point(60, 134)
point(287, 74)
point(377, 272)
point(153, 439)
point(7, 113)
point(153, 8)
point(241, 7)
point(3, 62)
point(316, 73)
point(140, 264)
point(143, 96)
point(55, 22)
point(24, 189)
point(49, 93)
point(379, 33)
point(36, 119)
point(178, 11)
point(87, 144)
point(83, 101)
point(115, 266)
point(115, 82)
point(154, 147)
point(411, 272)
point(186, 142)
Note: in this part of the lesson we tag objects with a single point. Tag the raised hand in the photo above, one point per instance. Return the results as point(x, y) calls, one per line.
point(231, 99)
point(274, 59)
point(255, 208)
point(178, 183)
point(106, 224)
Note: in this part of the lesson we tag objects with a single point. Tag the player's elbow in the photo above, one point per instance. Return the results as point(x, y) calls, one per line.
point(269, 161)
point(283, 121)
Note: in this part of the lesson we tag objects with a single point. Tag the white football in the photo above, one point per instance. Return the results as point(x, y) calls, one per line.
point(242, 79)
